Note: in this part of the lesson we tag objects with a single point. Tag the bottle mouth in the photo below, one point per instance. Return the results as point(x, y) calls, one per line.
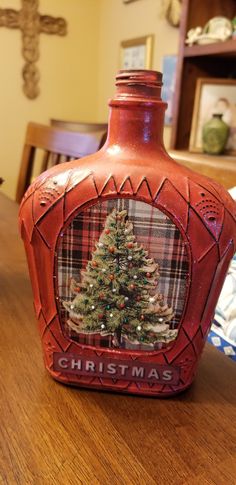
point(148, 78)
point(137, 85)
point(217, 115)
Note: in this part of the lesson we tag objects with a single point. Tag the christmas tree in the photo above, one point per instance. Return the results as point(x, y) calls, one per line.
point(118, 294)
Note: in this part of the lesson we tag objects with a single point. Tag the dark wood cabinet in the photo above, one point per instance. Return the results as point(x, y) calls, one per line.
point(212, 60)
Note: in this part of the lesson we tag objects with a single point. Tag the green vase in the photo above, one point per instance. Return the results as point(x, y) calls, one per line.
point(215, 134)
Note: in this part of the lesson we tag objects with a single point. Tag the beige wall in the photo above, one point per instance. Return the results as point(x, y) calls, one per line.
point(119, 21)
point(77, 71)
point(68, 67)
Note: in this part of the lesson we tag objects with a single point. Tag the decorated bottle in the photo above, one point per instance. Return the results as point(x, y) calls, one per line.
point(127, 254)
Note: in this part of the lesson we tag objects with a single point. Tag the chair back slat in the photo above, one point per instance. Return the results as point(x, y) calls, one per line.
point(45, 160)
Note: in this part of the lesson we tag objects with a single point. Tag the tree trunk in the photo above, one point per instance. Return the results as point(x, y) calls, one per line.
point(118, 334)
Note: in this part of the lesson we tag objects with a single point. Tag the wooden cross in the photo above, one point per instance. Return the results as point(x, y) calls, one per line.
point(31, 24)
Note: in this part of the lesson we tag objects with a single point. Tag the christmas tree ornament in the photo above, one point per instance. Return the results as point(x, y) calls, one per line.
point(96, 223)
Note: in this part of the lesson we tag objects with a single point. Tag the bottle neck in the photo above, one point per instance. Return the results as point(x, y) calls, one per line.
point(136, 119)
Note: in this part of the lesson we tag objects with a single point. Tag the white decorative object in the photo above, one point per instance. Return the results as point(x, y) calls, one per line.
point(218, 29)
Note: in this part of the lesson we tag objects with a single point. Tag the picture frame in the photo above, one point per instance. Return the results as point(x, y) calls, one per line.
point(213, 95)
point(169, 65)
point(137, 53)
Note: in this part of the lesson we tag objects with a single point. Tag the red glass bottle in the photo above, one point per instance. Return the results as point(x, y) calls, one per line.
point(127, 254)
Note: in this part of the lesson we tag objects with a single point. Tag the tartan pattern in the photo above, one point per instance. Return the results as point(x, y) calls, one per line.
point(93, 339)
point(126, 344)
point(152, 228)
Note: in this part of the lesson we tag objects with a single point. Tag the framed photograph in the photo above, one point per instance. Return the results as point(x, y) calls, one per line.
point(168, 89)
point(136, 53)
point(214, 96)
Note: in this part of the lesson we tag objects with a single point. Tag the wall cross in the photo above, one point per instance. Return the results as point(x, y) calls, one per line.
point(31, 24)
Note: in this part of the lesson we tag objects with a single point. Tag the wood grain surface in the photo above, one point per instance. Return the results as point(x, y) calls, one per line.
point(53, 434)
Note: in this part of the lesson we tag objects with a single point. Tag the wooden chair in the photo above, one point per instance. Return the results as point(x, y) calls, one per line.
point(80, 126)
point(56, 146)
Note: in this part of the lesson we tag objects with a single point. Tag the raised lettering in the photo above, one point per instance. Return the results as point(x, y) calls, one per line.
point(167, 375)
point(123, 369)
point(89, 365)
point(111, 368)
point(138, 372)
point(153, 373)
point(76, 364)
point(63, 362)
point(100, 367)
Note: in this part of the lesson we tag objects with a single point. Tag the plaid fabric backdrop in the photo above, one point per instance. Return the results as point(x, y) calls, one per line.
point(159, 236)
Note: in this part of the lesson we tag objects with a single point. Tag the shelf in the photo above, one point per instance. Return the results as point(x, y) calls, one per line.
point(226, 49)
point(220, 168)
point(203, 158)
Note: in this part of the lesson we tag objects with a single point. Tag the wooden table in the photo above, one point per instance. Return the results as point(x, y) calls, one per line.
point(52, 434)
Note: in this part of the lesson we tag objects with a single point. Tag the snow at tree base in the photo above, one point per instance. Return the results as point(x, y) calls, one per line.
point(117, 294)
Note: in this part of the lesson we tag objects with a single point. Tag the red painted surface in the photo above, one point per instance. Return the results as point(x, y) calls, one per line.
point(133, 163)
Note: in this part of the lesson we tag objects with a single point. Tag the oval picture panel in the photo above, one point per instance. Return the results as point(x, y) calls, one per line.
point(121, 276)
